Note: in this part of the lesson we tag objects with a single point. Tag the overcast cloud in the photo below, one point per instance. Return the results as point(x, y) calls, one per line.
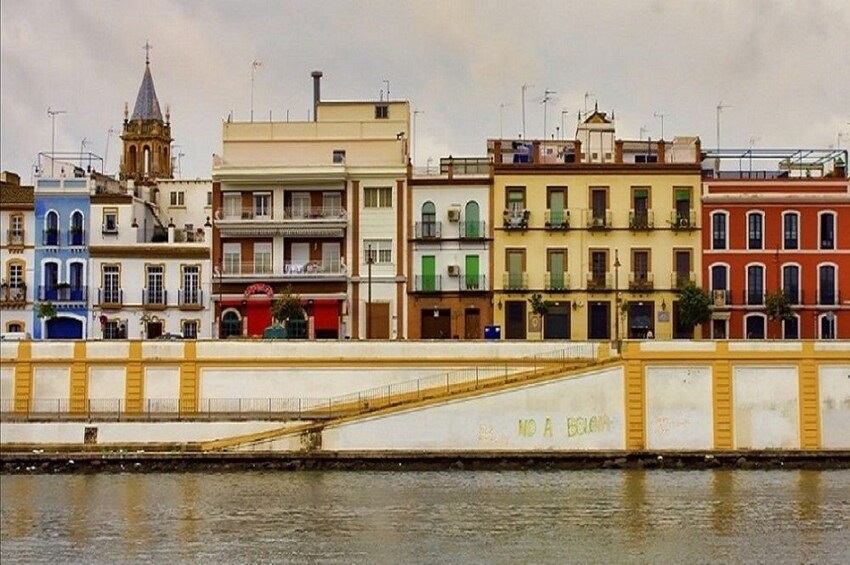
point(780, 65)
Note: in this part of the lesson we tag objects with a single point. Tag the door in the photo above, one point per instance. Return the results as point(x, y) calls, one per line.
point(641, 319)
point(299, 257)
point(429, 268)
point(470, 273)
point(598, 202)
point(77, 289)
point(556, 322)
point(515, 319)
point(683, 268)
point(471, 221)
point(330, 257)
point(378, 320)
point(64, 328)
point(301, 205)
point(153, 330)
point(472, 323)
point(599, 320)
point(516, 265)
point(436, 323)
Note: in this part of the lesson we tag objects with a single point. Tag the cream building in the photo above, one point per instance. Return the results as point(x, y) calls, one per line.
point(17, 254)
point(603, 231)
point(316, 209)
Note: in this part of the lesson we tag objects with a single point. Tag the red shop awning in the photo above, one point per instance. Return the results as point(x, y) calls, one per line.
point(326, 314)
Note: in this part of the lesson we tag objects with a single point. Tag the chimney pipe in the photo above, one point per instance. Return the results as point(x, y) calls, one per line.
point(317, 92)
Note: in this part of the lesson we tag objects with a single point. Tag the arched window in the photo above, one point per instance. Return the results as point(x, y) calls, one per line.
point(791, 283)
point(720, 284)
point(472, 227)
point(826, 325)
point(755, 230)
point(826, 285)
point(231, 324)
point(755, 284)
point(429, 220)
point(146, 155)
point(719, 222)
point(75, 237)
point(133, 160)
point(51, 228)
point(754, 326)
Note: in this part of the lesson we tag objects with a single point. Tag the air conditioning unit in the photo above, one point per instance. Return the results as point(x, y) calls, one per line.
point(454, 271)
point(454, 214)
point(720, 298)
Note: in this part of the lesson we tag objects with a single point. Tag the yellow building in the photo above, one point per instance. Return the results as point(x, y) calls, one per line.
point(602, 232)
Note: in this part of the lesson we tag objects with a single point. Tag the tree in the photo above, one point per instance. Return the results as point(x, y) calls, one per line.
point(694, 306)
point(776, 306)
point(46, 310)
point(287, 307)
point(538, 305)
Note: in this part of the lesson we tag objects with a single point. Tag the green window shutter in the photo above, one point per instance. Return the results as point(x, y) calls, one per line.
point(643, 193)
point(471, 272)
point(429, 277)
point(683, 194)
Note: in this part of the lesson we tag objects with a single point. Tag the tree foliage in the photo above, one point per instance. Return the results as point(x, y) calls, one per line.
point(46, 310)
point(694, 306)
point(287, 307)
point(538, 305)
point(776, 306)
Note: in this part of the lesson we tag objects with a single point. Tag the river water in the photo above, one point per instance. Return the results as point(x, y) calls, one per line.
point(599, 516)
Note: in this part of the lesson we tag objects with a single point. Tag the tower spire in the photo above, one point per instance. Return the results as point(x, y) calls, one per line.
point(147, 49)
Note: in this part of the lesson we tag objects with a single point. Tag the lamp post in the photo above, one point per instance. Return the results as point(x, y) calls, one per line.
point(617, 297)
point(256, 64)
point(369, 261)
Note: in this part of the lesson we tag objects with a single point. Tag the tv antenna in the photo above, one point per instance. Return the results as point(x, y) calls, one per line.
point(53, 113)
point(661, 115)
point(545, 102)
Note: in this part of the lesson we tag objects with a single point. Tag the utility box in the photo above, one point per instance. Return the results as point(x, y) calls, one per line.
point(493, 332)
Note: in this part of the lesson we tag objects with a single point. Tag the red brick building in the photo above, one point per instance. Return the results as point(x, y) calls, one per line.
point(767, 231)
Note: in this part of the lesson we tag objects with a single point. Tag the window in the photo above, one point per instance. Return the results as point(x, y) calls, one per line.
point(209, 198)
point(599, 205)
point(515, 199)
point(332, 204)
point(382, 111)
point(682, 262)
point(683, 207)
point(189, 328)
point(755, 222)
point(300, 205)
point(827, 325)
point(262, 205)
point(599, 269)
point(232, 258)
point(827, 230)
point(232, 205)
point(790, 230)
point(339, 156)
point(51, 228)
point(718, 230)
point(719, 277)
point(791, 283)
point(262, 258)
point(377, 197)
point(556, 203)
point(110, 220)
point(378, 251)
point(16, 229)
point(640, 267)
point(191, 284)
point(556, 265)
point(791, 328)
point(754, 326)
point(826, 285)
point(515, 261)
point(429, 220)
point(75, 235)
point(14, 327)
point(111, 283)
point(178, 198)
point(115, 329)
point(640, 208)
point(471, 227)
point(155, 275)
point(755, 284)
point(231, 324)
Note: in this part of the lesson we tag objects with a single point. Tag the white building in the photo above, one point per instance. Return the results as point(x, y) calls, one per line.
point(17, 254)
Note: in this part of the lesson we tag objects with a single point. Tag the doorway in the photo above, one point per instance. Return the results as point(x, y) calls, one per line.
point(556, 322)
point(436, 323)
point(472, 323)
point(515, 319)
point(378, 320)
point(599, 320)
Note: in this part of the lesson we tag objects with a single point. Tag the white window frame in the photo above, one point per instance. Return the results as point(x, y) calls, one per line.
point(377, 197)
point(231, 258)
point(725, 215)
point(755, 315)
point(382, 251)
point(231, 205)
point(799, 327)
point(784, 215)
point(834, 325)
point(761, 235)
point(262, 202)
point(747, 282)
point(835, 288)
point(834, 230)
point(178, 198)
point(711, 275)
point(799, 278)
point(263, 258)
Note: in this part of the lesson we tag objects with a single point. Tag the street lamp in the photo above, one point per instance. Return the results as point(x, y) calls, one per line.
point(617, 297)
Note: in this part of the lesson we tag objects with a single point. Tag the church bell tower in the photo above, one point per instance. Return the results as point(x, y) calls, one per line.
point(146, 136)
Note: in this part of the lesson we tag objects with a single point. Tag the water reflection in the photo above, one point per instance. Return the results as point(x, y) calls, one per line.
point(494, 517)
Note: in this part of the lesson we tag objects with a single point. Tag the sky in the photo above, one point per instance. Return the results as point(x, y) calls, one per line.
point(779, 67)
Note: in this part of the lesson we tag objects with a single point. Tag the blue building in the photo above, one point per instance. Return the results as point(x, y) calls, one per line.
point(62, 206)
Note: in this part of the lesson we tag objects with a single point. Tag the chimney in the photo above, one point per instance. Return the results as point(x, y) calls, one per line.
point(317, 92)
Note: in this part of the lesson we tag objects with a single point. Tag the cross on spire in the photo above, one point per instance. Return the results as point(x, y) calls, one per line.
point(147, 49)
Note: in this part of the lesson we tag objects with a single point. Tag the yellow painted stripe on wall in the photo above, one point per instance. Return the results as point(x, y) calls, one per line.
point(79, 379)
point(134, 380)
point(722, 405)
point(23, 377)
point(189, 379)
point(809, 405)
point(635, 406)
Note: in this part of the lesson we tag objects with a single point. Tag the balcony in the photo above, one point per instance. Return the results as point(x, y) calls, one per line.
point(641, 280)
point(557, 219)
point(683, 221)
point(62, 293)
point(641, 220)
point(515, 281)
point(828, 297)
point(155, 299)
point(320, 269)
point(297, 221)
point(599, 281)
point(682, 279)
point(472, 230)
point(557, 280)
point(15, 237)
point(50, 237)
point(516, 219)
point(110, 298)
point(13, 295)
point(599, 219)
point(427, 283)
point(77, 237)
point(190, 299)
point(427, 230)
point(471, 283)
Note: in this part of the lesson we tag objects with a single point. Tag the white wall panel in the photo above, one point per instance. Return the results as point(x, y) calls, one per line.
point(766, 407)
point(679, 408)
point(835, 406)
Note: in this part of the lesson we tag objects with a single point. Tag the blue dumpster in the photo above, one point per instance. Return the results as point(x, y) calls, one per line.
point(493, 332)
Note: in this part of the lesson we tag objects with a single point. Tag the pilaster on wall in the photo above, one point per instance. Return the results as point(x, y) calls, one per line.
point(134, 380)
point(189, 379)
point(23, 377)
point(722, 402)
point(635, 406)
point(809, 402)
point(79, 379)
